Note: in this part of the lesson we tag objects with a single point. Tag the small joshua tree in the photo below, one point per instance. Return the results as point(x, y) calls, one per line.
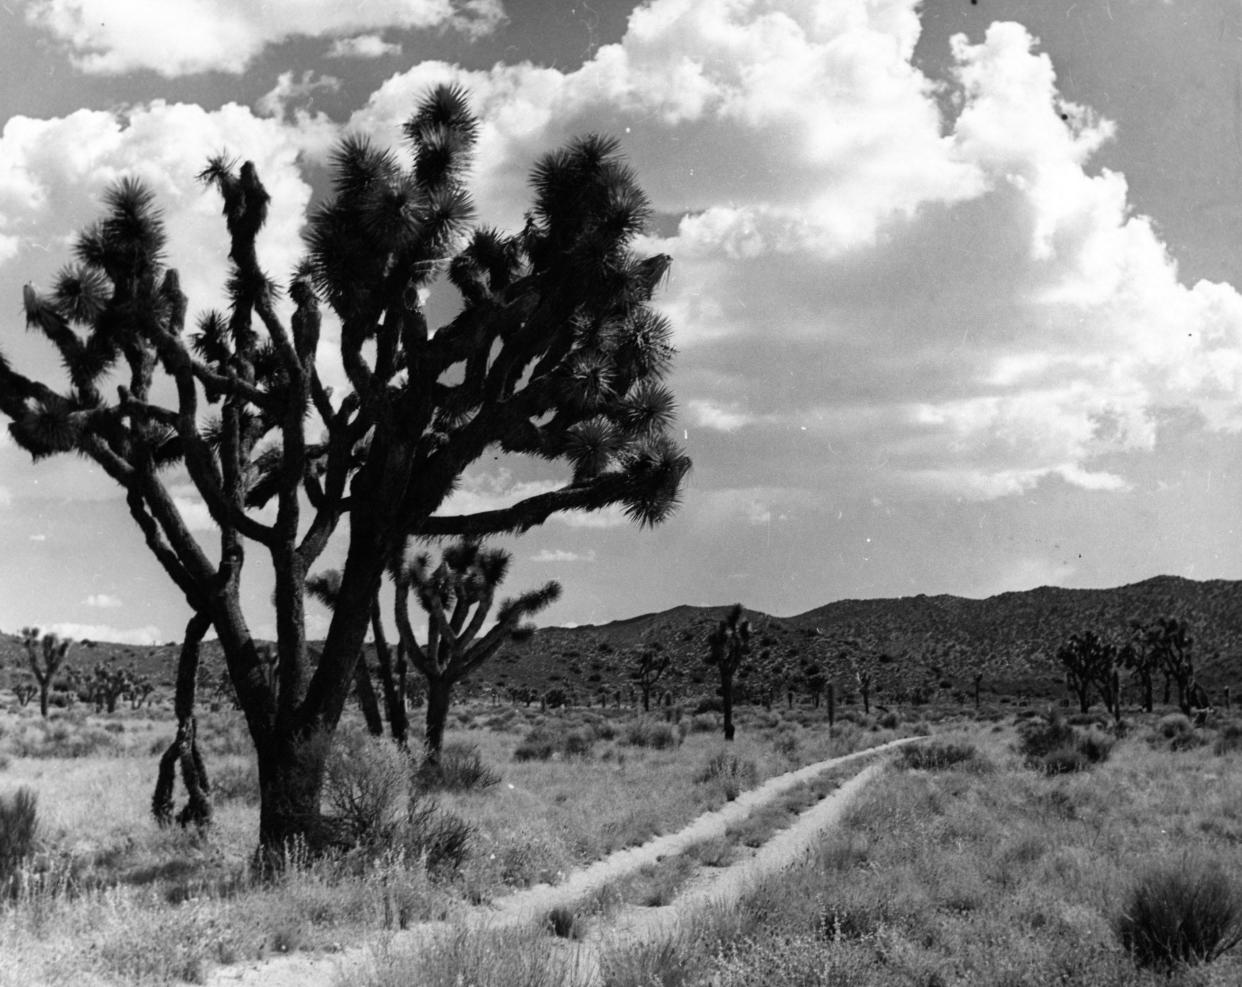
point(728, 645)
point(457, 596)
point(1089, 662)
point(46, 655)
point(651, 664)
point(1170, 641)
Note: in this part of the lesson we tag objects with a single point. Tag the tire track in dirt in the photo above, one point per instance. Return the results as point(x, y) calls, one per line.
point(531, 905)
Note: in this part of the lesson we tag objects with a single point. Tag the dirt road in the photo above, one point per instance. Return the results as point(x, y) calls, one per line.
point(532, 905)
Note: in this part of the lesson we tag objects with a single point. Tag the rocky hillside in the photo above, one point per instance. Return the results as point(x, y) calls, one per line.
point(936, 644)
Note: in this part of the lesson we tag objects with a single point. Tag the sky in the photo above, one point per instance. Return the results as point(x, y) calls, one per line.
point(955, 284)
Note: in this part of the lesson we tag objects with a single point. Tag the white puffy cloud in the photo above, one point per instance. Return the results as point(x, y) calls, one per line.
point(178, 37)
point(363, 46)
point(103, 601)
point(288, 91)
point(53, 174)
point(559, 555)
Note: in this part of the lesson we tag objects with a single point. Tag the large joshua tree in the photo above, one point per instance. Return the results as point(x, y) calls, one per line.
point(553, 353)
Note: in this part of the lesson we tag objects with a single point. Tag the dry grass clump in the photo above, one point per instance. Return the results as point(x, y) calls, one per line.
point(1181, 913)
point(1055, 747)
point(941, 756)
point(654, 734)
point(545, 743)
point(18, 827)
point(459, 768)
point(729, 773)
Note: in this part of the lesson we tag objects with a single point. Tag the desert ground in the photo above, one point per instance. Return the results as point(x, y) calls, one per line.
point(1009, 844)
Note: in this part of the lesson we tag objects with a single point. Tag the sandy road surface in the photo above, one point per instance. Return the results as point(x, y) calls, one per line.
point(530, 905)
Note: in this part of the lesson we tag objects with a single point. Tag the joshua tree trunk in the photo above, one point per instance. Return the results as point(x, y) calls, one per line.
point(392, 679)
point(291, 773)
point(726, 696)
point(832, 705)
point(366, 698)
point(439, 693)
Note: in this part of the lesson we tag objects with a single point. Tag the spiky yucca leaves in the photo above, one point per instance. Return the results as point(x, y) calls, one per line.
point(457, 596)
point(555, 353)
point(727, 647)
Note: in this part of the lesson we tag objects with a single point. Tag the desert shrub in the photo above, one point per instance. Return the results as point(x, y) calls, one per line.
point(786, 743)
point(1183, 913)
point(1095, 745)
point(366, 786)
point(442, 838)
point(563, 923)
point(18, 827)
point(543, 743)
point(577, 743)
point(538, 745)
point(732, 774)
point(704, 723)
point(531, 857)
point(1229, 740)
point(460, 768)
point(1061, 761)
point(648, 733)
point(890, 720)
point(1054, 747)
point(709, 704)
point(1174, 725)
point(938, 756)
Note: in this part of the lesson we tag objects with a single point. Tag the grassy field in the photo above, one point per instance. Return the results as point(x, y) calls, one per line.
point(111, 898)
point(975, 868)
point(969, 862)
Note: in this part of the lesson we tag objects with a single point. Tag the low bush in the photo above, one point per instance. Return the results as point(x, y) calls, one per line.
point(730, 772)
point(1229, 740)
point(1183, 913)
point(1174, 725)
point(543, 743)
point(1054, 747)
point(442, 838)
point(460, 768)
point(367, 786)
point(18, 827)
point(890, 720)
point(654, 734)
point(938, 756)
point(538, 745)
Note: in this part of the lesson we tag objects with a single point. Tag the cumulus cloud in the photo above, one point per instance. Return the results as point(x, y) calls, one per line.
point(974, 283)
point(103, 601)
point(178, 37)
point(363, 46)
point(289, 92)
point(53, 174)
point(561, 555)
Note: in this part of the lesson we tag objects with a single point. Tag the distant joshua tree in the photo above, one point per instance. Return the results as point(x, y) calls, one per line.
point(457, 596)
point(1090, 663)
point(649, 667)
point(728, 645)
point(46, 655)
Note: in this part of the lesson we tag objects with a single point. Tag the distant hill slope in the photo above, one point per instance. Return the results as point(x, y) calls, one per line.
point(1012, 638)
